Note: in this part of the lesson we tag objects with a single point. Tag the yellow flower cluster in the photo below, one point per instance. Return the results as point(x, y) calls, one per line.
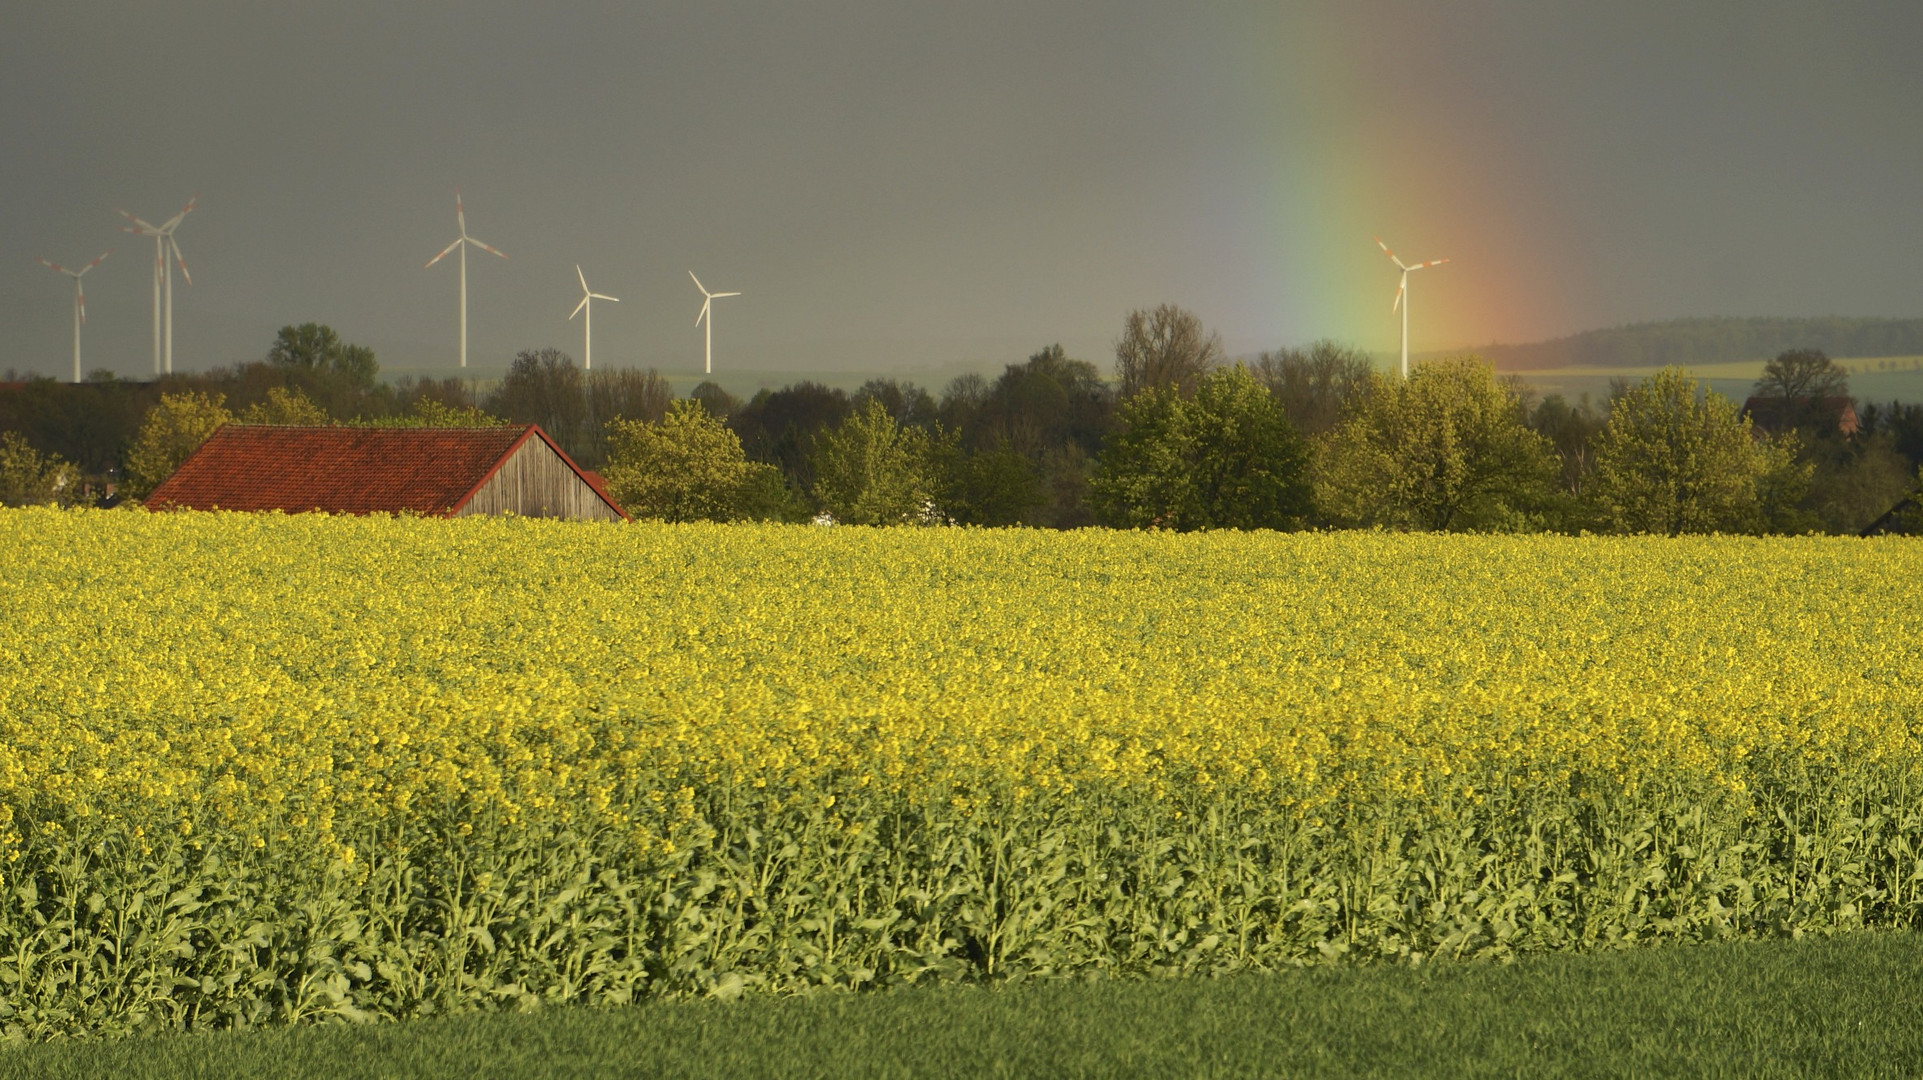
point(309, 675)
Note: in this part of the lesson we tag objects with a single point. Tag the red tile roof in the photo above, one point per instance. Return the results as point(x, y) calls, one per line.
point(343, 470)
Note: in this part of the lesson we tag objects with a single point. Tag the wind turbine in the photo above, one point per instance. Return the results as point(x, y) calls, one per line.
point(79, 301)
point(163, 277)
point(707, 313)
point(1402, 296)
point(462, 241)
point(587, 324)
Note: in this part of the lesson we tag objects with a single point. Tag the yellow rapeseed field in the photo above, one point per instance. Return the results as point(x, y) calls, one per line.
point(343, 694)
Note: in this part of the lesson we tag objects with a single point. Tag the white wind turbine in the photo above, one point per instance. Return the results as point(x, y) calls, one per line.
point(79, 301)
point(163, 278)
point(587, 324)
point(1402, 296)
point(462, 241)
point(707, 312)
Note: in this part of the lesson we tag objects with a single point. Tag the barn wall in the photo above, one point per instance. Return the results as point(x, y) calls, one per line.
point(535, 482)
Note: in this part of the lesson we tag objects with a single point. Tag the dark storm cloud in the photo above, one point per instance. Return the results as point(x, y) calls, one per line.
point(902, 186)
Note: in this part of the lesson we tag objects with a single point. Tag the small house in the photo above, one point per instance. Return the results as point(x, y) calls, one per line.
point(1827, 414)
point(434, 472)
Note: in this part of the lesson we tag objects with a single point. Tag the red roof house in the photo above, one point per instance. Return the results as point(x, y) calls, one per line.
point(437, 472)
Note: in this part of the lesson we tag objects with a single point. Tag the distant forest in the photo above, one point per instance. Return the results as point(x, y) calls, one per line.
point(1688, 342)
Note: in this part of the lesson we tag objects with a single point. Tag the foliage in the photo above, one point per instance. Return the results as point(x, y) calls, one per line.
point(1673, 461)
point(782, 427)
point(1225, 458)
point(172, 431)
point(1315, 385)
point(870, 470)
point(543, 386)
point(348, 768)
point(1800, 390)
point(30, 478)
point(996, 487)
point(429, 412)
point(1165, 347)
point(686, 467)
point(715, 399)
point(1054, 411)
point(575, 408)
point(316, 346)
point(1572, 430)
point(1855, 482)
point(285, 406)
point(1445, 449)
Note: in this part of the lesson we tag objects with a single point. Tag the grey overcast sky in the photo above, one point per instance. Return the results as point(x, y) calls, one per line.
point(900, 187)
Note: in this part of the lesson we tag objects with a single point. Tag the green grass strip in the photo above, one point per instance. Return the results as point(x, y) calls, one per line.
point(1846, 1006)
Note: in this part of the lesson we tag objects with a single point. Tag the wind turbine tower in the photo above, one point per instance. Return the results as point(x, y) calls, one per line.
point(1402, 296)
point(163, 279)
point(79, 301)
point(462, 241)
point(707, 313)
point(587, 296)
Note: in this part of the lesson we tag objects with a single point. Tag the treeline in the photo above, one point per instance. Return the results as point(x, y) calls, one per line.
point(1173, 435)
point(1683, 342)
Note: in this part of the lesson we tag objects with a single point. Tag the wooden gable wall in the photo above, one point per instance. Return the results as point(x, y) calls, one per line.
point(535, 482)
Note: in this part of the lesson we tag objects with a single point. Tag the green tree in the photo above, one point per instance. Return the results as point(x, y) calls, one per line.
point(1225, 459)
point(1445, 449)
point(543, 386)
point(1672, 460)
point(686, 467)
point(172, 431)
point(1166, 347)
point(30, 478)
point(317, 347)
point(288, 407)
point(1314, 385)
point(427, 412)
point(997, 487)
point(870, 470)
point(1796, 384)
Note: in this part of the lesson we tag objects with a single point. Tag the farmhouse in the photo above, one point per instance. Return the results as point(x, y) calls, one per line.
point(1827, 414)
point(436, 472)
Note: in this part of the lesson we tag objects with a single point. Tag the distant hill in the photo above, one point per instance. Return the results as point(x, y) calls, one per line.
point(1712, 341)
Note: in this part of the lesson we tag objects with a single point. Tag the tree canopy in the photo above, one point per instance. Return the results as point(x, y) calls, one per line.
point(170, 434)
point(316, 347)
point(687, 466)
point(1225, 458)
point(870, 470)
point(1672, 460)
point(1445, 449)
point(1164, 347)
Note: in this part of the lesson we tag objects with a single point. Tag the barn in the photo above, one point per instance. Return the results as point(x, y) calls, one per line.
point(434, 472)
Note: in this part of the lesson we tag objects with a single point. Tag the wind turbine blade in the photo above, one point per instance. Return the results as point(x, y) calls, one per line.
point(727, 294)
point(583, 277)
point(142, 227)
point(698, 285)
point(704, 311)
point(1398, 300)
point(579, 306)
point(53, 266)
point(97, 262)
point(460, 215)
point(604, 296)
point(443, 254)
point(1390, 254)
point(484, 247)
point(80, 298)
point(1431, 262)
point(181, 261)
